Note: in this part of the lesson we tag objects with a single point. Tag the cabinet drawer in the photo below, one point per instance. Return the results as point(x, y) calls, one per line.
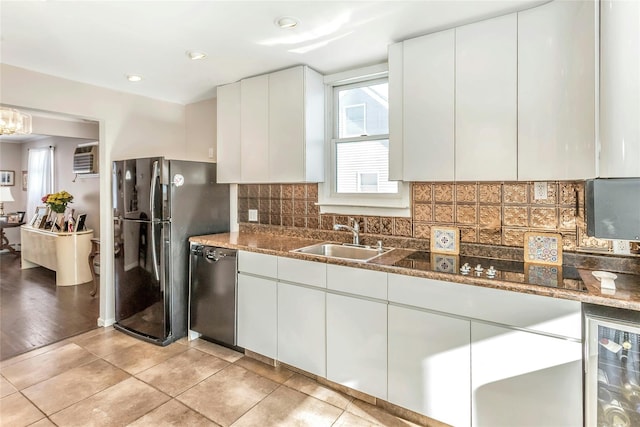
point(357, 281)
point(300, 271)
point(260, 264)
point(533, 312)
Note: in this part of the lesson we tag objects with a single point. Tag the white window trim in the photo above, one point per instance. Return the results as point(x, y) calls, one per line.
point(356, 204)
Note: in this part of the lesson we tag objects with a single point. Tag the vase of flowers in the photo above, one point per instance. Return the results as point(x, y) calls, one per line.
point(58, 201)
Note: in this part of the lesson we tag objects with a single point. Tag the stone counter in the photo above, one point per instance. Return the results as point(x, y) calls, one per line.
point(626, 295)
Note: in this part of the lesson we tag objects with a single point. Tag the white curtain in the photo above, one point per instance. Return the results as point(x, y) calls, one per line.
point(40, 177)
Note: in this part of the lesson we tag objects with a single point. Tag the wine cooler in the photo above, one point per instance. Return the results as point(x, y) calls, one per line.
point(612, 367)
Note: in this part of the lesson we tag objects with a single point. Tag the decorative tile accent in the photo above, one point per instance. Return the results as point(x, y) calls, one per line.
point(312, 222)
point(444, 213)
point(466, 214)
point(544, 218)
point(299, 221)
point(443, 192)
point(445, 240)
point(422, 212)
point(386, 225)
point(243, 190)
point(567, 219)
point(299, 207)
point(490, 236)
point(514, 193)
point(586, 242)
point(275, 219)
point(490, 216)
point(276, 191)
point(468, 234)
point(312, 192)
point(543, 248)
point(569, 241)
point(545, 275)
point(490, 193)
point(287, 207)
point(287, 191)
point(326, 222)
point(513, 236)
point(254, 190)
point(276, 206)
point(466, 193)
point(568, 193)
point(402, 227)
point(299, 191)
point(421, 192)
point(312, 208)
point(372, 224)
point(515, 215)
point(287, 221)
point(421, 231)
point(265, 190)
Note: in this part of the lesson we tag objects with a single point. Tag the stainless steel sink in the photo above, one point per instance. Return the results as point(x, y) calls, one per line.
point(344, 251)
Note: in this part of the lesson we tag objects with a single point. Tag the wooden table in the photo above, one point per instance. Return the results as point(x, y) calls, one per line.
point(4, 242)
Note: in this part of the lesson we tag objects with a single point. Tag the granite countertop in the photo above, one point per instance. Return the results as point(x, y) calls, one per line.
point(626, 295)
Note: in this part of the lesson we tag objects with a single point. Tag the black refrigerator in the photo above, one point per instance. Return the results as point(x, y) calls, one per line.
point(157, 205)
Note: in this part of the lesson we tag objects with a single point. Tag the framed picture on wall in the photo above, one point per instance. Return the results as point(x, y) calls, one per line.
point(7, 178)
point(25, 181)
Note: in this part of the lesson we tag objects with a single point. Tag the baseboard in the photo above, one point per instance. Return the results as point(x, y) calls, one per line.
point(106, 322)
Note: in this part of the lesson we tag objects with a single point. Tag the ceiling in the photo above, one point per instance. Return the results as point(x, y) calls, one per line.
point(100, 42)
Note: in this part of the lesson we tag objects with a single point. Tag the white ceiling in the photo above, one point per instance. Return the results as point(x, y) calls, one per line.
point(99, 42)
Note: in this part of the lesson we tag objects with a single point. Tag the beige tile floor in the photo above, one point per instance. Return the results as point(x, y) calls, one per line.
point(106, 378)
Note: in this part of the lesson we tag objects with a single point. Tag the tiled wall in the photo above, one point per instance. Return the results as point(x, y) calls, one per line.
point(497, 213)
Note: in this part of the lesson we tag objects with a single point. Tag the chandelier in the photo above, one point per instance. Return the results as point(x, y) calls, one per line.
point(13, 122)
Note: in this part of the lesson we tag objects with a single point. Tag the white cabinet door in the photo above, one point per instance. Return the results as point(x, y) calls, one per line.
point(556, 91)
point(486, 100)
point(428, 107)
point(357, 344)
point(429, 364)
point(286, 125)
point(396, 96)
point(301, 328)
point(257, 315)
point(524, 379)
point(619, 89)
point(254, 116)
point(228, 133)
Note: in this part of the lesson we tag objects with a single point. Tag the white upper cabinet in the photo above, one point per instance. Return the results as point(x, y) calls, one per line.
point(426, 103)
point(486, 145)
point(296, 126)
point(228, 133)
point(279, 128)
point(254, 137)
point(556, 91)
point(619, 89)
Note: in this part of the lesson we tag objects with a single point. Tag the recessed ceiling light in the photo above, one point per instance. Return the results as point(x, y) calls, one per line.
point(194, 54)
point(134, 77)
point(286, 22)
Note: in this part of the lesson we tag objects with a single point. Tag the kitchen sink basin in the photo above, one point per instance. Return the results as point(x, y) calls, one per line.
point(343, 251)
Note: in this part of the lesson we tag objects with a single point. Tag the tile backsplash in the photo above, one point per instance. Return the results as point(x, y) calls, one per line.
point(497, 213)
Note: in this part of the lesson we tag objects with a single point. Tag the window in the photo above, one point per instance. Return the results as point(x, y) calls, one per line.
point(360, 142)
point(357, 169)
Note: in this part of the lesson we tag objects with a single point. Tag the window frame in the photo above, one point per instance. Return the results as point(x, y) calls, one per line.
point(383, 204)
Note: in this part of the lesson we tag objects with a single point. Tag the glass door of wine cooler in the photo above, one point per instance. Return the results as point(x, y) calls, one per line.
point(612, 367)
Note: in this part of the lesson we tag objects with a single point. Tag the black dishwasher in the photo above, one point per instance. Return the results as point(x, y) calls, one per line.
point(212, 293)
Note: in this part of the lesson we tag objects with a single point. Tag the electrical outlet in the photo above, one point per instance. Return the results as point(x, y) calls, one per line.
point(253, 215)
point(540, 190)
point(211, 152)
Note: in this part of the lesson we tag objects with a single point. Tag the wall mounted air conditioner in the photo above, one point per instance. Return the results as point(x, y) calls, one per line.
point(85, 158)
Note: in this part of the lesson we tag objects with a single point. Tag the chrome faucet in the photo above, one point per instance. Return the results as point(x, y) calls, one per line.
point(355, 230)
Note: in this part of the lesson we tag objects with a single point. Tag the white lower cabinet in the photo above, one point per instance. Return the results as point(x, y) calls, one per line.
point(301, 328)
point(429, 364)
point(357, 344)
point(257, 315)
point(524, 379)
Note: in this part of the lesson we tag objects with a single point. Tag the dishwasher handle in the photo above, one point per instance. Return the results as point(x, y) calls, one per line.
point(212, 255)
point(209, 253)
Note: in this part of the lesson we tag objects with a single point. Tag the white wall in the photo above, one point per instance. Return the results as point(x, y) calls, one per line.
point(85, 190)
point(130, 126)
point(201, 130)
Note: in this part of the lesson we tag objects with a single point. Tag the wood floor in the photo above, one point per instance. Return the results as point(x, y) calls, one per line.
point(34, 312)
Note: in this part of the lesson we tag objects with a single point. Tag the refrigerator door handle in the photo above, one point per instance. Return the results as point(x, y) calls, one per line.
point(152, 196)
